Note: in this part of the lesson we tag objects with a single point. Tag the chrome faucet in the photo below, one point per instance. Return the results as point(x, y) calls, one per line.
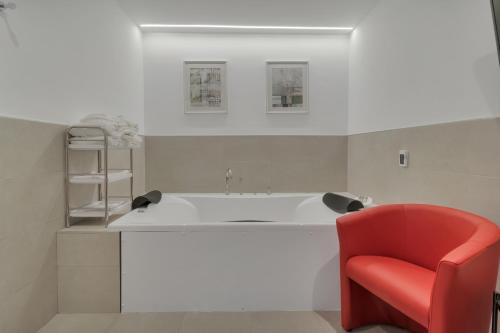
point(229, 177)
point(6, 5)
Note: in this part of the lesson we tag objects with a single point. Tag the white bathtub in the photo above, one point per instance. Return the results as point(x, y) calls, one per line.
point(187, 254)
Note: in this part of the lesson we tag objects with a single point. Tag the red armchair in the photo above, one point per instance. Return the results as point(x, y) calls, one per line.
point(423, 268)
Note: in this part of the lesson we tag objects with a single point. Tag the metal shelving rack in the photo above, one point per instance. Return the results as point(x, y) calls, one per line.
point(105, 206)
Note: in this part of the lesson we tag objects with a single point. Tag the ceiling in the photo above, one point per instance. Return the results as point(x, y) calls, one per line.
point(249, 12)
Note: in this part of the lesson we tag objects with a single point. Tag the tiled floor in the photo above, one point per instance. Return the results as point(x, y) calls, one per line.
point(237, 322)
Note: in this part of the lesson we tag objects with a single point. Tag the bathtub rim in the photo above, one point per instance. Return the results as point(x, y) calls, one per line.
point(123, 223)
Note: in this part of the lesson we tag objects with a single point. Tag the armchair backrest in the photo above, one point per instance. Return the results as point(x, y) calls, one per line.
point(420, 234)
point(432, 232)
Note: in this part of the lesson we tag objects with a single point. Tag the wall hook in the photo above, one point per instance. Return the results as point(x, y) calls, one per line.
point(7, 5)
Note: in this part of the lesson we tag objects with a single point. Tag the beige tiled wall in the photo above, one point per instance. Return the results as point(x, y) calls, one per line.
point(454, 164)
point(283, 163)
point(88, 271)
point(31, 212)
point(120, 159)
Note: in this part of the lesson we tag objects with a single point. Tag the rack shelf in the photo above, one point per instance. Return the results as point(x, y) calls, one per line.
point(100, 178)
point(93, 146)
point(105, 206)
point(97, 208)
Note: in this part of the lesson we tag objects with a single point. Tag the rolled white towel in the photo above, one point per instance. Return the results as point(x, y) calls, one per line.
point(86, 132)
point(122, 124)
point(120, 131)
point(109, 123)
point(132, 142)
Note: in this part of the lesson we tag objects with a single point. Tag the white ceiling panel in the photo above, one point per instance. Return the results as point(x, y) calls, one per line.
point(249, 12)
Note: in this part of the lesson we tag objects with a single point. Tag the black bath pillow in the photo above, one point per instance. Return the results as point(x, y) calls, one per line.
point(341, 204)
point(146, 199)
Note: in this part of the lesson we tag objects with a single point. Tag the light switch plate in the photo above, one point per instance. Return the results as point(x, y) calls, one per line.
point(403, 158)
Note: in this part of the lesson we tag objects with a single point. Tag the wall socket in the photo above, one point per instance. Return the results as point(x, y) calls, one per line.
point(403, 158)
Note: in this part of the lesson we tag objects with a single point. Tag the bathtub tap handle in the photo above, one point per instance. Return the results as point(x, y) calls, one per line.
point(229, 177)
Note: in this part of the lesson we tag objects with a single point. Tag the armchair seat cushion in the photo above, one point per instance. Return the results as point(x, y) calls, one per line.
point(401, 284)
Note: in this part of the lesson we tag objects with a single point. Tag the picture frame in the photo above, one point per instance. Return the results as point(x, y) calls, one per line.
point(287, 87)
point(205, 88)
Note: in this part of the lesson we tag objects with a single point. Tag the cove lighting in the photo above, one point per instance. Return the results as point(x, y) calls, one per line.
point(244, 27)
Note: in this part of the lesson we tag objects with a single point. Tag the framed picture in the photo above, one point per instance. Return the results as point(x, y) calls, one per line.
point(287, 87)
point(205, 87)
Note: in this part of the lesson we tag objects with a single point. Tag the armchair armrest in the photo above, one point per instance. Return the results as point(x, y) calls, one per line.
point(463, 253)
point(465, 281)
point(372, 231)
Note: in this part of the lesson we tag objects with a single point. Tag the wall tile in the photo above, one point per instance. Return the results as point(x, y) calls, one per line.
point(30, 148)
point(31, 307)
point(89, 289)
point(451, 164)
point(282, 163)
point(31, 211)
point(88, 249)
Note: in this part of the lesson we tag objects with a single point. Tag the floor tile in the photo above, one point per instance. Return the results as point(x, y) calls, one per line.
point(217, 322)
point(80, 323)
point(331, 319)
point(148, 323)
point(290, 322)
point(206, 322)
point(379, 329)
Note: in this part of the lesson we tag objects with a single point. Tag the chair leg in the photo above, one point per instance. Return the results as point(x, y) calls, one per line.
point(496, 308)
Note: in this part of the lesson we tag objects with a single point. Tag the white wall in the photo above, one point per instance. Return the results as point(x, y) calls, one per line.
point(246, 57)
point(411, 63)
point(63, 59)
point(423, 62)
point(249, 12)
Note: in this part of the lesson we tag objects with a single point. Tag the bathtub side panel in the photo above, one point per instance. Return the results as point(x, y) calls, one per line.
point(262, 270)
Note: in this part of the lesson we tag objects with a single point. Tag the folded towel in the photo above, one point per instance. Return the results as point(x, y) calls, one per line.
point(86, 132)
point(120, 131)
point(125, 142)
point(114, 125)
point(86, 138)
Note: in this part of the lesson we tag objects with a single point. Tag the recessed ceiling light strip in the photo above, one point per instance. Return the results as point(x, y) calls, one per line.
point(243, 27)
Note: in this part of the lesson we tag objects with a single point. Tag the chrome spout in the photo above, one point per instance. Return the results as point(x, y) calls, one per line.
point(229, 177)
